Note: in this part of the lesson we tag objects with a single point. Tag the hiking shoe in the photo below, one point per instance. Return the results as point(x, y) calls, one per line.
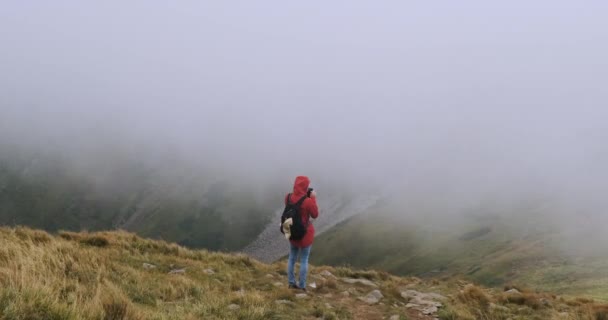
point(293, 286)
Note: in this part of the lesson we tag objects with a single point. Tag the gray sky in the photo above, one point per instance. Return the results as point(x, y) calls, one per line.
point(458, 97)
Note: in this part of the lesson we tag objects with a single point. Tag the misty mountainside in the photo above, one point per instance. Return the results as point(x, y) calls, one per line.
point(192, 210)
point(523, 245)
point(119, 275)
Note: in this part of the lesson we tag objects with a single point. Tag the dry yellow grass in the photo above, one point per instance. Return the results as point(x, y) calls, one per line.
point(102, 276)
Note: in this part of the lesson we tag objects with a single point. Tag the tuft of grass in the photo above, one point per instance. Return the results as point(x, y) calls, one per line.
point(361, 274)
point(115, 310)
point(601, 312)
point(475, 295)
point(29, 304)
point(36, 236)
point(529, 299)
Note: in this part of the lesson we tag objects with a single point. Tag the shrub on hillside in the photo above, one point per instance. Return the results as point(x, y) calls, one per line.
point(96, 241)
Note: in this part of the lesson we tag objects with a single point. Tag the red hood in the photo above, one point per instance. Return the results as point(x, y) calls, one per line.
point(300, 187)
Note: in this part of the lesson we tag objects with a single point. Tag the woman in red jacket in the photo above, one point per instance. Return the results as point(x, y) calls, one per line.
point(308, 210)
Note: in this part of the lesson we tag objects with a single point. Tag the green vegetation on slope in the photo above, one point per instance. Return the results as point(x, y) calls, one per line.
point(490, 249)
point(193, 211)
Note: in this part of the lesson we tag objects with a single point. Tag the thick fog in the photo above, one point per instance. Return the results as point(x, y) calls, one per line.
point(449, 102)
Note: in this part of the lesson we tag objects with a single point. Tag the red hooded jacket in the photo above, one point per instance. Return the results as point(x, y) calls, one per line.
point(308, 210)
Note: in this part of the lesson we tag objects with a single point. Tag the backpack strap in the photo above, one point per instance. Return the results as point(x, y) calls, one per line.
point(299, 203)
point(289, 199)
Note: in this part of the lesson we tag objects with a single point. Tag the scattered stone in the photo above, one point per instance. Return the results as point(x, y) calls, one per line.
point(278, 284)
point(429, 310)
point(269, 276)
point(328, 295)
point(361, 281)
point(512, 291)
point(328, 306)
point(313, 285)
point(301, 296)
point(209, 271)
point(234, 307)
point(424, 302)
point(283, 302)
point(326, 273)
point(345, 293)
point(149, 266)
point(373, 297)
point(178, 271)
point(394, 317)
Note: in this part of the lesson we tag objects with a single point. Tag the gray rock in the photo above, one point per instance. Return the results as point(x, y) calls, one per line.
point(424, 302)
point(280, 302)
point(278, 284)
point(512, 291)
point(269, 276)
point(429, 310)
point(178, 271)
point(234, 307)
point(209, 271)
point(301, 296)
point(345, 293)
point(361, 281)
point(394, 317)
point(149, 266)
point(373, 297)
point(326, 273)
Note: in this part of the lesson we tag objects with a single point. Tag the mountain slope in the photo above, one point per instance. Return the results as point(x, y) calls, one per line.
point(494, 250)
point(183, 207)
point(117, 275)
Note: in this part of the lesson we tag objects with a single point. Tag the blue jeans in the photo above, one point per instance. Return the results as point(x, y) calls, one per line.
point(293, 254)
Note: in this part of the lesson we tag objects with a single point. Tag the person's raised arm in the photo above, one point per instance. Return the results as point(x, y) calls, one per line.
point(314, 209)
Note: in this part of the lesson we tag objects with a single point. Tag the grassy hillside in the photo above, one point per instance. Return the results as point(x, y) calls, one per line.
point(191, 210)
point(118, 275)
point(490, 249)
